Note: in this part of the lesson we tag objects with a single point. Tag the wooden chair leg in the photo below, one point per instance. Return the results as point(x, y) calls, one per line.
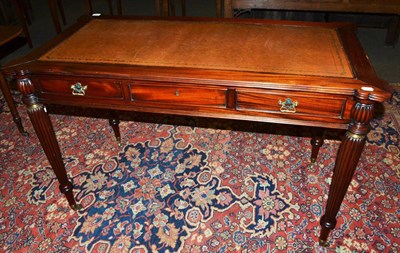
point(119, 7)
point(89, 7)
point(110, 8)
point(218, 8)
point(165, 8)
point(393, 32)
point(10, 102)
point(4, 13)
point(22, 19)
point(171, 8)
point(162, 8)
point(25, 7)
point(228, 9)
point(158, 5)
point(53, 10)
point(62, 13)
point(183, 7)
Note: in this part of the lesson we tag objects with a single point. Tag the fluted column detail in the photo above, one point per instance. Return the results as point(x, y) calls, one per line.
point(45, 133)
point(346, 162)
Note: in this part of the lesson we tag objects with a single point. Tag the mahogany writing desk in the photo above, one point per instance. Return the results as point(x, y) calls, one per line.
point(307, 74)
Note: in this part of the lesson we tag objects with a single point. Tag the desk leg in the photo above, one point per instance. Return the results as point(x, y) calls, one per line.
point(346, 162)
point(316, 142)
point(114, 123)
point(10, 102)
point(45, 132)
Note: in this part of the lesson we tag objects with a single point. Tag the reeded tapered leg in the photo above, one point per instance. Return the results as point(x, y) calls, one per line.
point(346, 162)
point(44, 131)
point(10, 102)
point(316, 142)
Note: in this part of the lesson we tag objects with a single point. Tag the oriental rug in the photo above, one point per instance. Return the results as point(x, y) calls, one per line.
point(192, 185)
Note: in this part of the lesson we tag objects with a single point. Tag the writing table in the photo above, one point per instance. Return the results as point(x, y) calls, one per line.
point(311, 74)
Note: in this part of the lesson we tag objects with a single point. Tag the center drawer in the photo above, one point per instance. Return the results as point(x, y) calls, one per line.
point(177, 94)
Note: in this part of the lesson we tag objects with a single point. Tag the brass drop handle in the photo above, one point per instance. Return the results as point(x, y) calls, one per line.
point(288, 105)
point(78, 89)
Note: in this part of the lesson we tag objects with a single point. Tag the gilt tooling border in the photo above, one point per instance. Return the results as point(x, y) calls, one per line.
point(282, 49)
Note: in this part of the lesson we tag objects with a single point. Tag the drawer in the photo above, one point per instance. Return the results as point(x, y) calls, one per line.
point(177, 94)
point(81, 87)
point(302, 103)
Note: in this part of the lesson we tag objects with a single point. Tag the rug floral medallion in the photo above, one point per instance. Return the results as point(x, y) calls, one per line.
point(178, 187)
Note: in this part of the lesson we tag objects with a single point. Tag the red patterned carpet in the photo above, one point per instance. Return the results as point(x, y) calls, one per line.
point(193, 189)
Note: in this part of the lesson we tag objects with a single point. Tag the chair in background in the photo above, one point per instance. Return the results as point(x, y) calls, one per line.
point(391, 8)
point(89, 7)
point(165, 8)
point(9, 36)
point(162, 7)
point(57, 4)
point(171, 4)
point(53, 6)
point(22, 10)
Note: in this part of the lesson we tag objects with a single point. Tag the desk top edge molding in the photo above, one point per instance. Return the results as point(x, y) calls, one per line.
point(364, 74)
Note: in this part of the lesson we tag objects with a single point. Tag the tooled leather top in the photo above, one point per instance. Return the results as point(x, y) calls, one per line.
point(300, 50)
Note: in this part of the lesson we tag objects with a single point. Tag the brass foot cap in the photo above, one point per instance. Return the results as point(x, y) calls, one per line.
point(323, 243)
point(119, 142)
point(76, 207)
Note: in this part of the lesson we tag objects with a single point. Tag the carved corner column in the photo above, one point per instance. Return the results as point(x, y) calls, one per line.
point(10, 102)
point(346, 162)
point(44, 131)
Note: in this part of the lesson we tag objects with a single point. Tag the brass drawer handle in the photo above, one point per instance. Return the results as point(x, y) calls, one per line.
point(78, 89)
point(177, 93)
point(288, 105)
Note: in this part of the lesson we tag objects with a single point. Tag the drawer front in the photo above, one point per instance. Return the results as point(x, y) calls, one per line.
point(81, 87)
point(176, 95)
point(301, 103)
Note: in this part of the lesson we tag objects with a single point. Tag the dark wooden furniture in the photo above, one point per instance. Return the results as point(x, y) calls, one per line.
point(9, 34)
point(311, 74)
point(162, 7)
point(56, 6)
point(22, 15)
point(218, 7)
point(391, 7)
point(89, 6)
point(22, 12)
